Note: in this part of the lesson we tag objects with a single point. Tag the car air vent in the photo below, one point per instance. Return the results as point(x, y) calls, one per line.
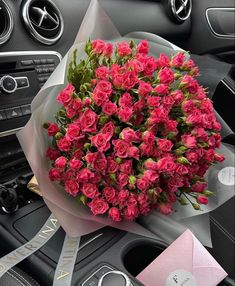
point(179, 10)
point(6, 22)
point(43, 20)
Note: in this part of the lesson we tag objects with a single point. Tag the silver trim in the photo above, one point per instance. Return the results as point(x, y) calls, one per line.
point(10, 132)
point(7, 35)
point(209, 23)
point(127, 279)
point(31, 53)
point(185, 4)
point(5, 89)
point(228, 86)
point(32, 30)
point(25, 53)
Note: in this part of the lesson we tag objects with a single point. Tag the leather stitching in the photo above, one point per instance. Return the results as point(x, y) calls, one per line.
point(11, 275)
point(17, 274)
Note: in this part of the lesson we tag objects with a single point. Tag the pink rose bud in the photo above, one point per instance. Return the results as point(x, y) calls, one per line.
point(201, 199)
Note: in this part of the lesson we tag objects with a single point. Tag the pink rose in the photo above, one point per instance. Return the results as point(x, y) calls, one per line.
point(73, 131)
point(70, 112)
point(143, 47)
point(90, 190)
point(126, 167)
point(104, 86)
point(123, 49)
point(143, 184)
point(153, 101)
point(177, 60)
point(163, 61)
point(189, 141)
point(109, 108)
point(101, 142)
point(178, 96)
point(165, 208)
point(98, 46)
point(54, 174)
point(75, 164)
point(210, 155)
point(76, 104)
point(100, 164)
point(219, 157)
point(112, 166)
point(52, 129)
point(192, 156)
point(166, 164)
point(72, 187)
point(88, 121)
point(121, 148)
point(189, 64)
point(151, 165)
point(98, 206)
point(109, 194)
point(84, 175)
point(181, 169)
point(133, 152)
point(100, 97)
point(60, 162)
point(102, 72)
point(108, 129)
point(190, 83)
point(164, 145)
point(131, 213)
point(123, 179)
point(146, 149)
point(201, 199)
point(150, 66)
point(162, 89)
point(144, 88)
point(151, 176)
point(166, 76)
point(123, 195)
point(125, 100)
point(129, 135)
point(168, 101)
point(64, 144)
point(130, 80)
point(199, 187)
point(188, 106)
point(148, 137)
point(65, 95)
point(115, 214)
point(108, 50)
point(52, 153)
point(125, 114)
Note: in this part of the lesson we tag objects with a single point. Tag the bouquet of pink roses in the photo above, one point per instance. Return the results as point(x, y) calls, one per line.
point(134, 132)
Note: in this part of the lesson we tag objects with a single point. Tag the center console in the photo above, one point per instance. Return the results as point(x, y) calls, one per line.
point(22, 74)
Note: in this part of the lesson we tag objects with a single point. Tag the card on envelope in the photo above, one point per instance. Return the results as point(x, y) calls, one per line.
point(184, 263)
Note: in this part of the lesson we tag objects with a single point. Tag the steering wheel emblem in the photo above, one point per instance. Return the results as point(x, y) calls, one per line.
point(181, 9)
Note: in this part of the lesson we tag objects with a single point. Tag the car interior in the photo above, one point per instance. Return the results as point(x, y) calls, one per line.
point(34, 37)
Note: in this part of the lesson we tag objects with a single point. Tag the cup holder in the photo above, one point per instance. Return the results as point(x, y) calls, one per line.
point(139, 254)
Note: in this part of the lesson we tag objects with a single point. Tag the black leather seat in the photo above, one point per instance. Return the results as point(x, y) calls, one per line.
point(17, 277)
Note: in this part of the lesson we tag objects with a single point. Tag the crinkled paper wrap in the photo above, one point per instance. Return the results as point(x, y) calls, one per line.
point(75, 218)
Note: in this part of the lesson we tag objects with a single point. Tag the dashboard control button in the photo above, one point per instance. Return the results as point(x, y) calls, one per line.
point(102, 271)
point(37, 62)
point(43, 61)
point(26, 109)
point(2, 115)
point(39, 70)
point(93, 281)
point(22, 82)
point(8, 84)
point(13, 112)
point(27, 63)
point(51, 69)
point(50, 61)
point(114, 278)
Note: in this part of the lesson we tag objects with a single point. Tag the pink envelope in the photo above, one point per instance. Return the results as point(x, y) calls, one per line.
point(184, 263)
